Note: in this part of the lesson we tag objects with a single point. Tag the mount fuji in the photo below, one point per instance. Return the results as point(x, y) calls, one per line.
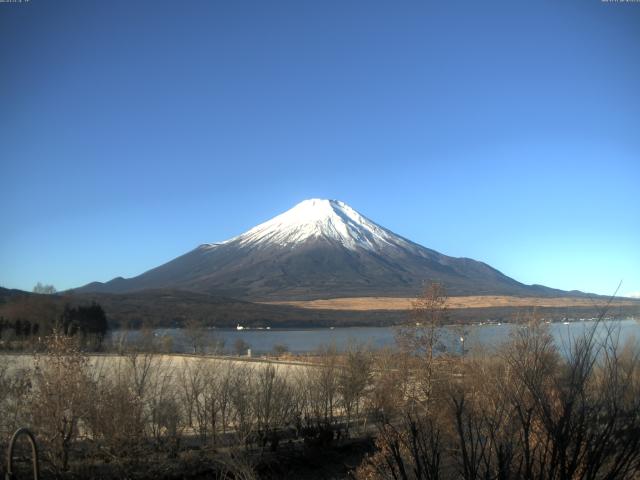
point(320, 249)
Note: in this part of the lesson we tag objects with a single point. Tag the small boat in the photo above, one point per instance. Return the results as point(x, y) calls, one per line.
point(239, 327)
point(566, 323)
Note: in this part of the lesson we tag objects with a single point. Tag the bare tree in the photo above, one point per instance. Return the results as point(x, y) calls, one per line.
point(44, 289)
point(195, 335)
point(163, 415)
point(141, 366)
point(280, 349)
point(273, 404)
point(241, 391)
point(420, 339)
point(391, 384)
point(321, 389)
point(353, 379)
point(224, 384)
point(192, 383)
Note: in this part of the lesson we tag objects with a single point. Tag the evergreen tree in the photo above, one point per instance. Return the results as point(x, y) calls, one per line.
point(17, 327)
point(89, 321)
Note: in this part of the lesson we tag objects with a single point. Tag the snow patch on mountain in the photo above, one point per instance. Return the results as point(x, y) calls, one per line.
point(320, 219)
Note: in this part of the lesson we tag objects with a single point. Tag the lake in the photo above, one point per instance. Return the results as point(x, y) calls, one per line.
point(476, 337)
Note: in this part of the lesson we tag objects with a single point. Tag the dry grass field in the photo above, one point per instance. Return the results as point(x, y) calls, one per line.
point(177, 364)
point(390, 303)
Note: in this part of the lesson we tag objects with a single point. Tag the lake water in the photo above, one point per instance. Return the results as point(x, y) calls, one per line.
point(476, 337)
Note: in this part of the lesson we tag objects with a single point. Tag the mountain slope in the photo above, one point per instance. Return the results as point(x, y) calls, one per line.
point(320, 249)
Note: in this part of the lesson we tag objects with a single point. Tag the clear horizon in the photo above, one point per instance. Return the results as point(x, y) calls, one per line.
point(131, 132)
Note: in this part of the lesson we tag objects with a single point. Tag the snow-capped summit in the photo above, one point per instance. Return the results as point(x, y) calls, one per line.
point(319, 219)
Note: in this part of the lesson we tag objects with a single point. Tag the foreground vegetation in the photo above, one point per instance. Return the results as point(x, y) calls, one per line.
point(530, 410)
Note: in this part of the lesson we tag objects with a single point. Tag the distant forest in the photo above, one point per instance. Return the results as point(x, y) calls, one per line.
point(24, 318)
point(26, 313)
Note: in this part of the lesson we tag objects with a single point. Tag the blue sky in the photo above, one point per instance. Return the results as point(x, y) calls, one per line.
point(132, 131)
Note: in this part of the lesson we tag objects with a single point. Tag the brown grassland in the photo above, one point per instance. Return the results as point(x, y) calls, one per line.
point(486, 301)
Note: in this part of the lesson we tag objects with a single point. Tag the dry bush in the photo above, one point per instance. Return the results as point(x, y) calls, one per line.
point(116, 420)
point(15, 391)
point(234, 466)
point(411, 450)
point(62, 395)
